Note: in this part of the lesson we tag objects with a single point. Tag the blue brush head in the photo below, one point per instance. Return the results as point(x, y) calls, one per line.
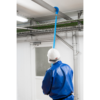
point(57, 10)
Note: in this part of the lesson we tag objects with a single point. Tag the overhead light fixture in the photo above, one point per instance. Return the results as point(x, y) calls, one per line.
point(21, 19)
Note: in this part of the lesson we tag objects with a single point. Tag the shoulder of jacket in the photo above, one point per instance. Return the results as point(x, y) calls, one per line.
point(66, 65)
point(49, 70)
point(63, 64)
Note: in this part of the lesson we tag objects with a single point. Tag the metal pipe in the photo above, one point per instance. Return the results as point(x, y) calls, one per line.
point(26, 28)
point(65, 42)
point(74, 64)
point(52, 29)
point(52, 9)
point(29, 29)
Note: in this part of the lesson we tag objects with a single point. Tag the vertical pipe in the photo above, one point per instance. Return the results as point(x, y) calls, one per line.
point(75, 67)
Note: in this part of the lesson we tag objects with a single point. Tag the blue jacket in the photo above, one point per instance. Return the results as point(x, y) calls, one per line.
point(57, 82)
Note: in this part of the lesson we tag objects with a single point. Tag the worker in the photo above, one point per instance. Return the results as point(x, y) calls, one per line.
point(57, 82)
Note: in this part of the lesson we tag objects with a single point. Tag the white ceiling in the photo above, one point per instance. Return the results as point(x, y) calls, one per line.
point(30, 9)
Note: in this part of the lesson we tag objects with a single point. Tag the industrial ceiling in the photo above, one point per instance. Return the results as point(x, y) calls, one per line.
point(36, 11)
point(30, 9)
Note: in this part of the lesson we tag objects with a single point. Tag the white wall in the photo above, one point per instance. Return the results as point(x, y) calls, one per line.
point(26, 60)
point(23, 71)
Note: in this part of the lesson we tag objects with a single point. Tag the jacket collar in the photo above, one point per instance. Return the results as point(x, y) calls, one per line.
point(58, 62)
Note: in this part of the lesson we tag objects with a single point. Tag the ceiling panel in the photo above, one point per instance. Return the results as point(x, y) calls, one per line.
point(30, 9)
point(66, 5)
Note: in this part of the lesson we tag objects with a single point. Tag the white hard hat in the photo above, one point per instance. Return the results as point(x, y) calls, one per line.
point(53, 55)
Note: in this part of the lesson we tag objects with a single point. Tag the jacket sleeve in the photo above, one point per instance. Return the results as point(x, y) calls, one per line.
point(47, 82)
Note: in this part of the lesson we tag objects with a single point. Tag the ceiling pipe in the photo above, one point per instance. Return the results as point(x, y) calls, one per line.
point(28, 29)
point(52, 9)
point(45, 31)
